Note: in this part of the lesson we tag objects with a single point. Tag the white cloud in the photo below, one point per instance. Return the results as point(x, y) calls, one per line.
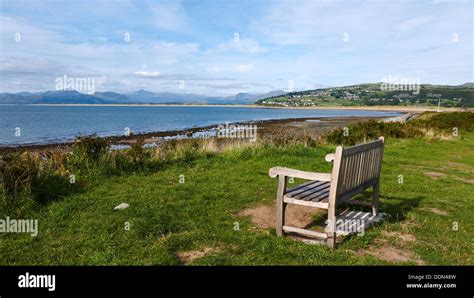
point(280, 40)
point(214, 68)
point(414, 23)
point(292, 23)
point(170, 16)
point(320, 23)
point(147, 74)
point(242, 67)
point(243, 45)
point(43, 54)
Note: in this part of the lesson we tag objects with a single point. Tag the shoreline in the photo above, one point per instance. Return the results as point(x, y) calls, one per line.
point(160, 136)
point(363, 108)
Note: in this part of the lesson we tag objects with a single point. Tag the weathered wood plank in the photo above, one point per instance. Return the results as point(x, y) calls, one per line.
point(276, 171)
point(322, 205)
point(280, 205)
point(329, 157)
point(331, 234)
point(304, 232)
point(346, 196)
point(299, 186)
point(301, 192)
point(314, 190)
point(319, 195)
point(362, 147)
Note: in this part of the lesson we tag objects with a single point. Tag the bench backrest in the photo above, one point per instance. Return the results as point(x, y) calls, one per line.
point(355, 169)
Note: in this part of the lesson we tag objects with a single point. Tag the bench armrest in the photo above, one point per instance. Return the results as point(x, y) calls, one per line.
point(330, 157)
point(279, 171)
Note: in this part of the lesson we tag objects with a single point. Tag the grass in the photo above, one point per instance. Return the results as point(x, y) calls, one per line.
point(429, 124)
point(166, 217)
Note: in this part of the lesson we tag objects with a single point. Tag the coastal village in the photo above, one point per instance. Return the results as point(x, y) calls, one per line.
point(373, 94)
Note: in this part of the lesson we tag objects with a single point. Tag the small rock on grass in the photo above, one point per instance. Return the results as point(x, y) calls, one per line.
point(121, 206)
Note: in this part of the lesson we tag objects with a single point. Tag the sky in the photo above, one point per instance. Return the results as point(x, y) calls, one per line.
point(223, 47)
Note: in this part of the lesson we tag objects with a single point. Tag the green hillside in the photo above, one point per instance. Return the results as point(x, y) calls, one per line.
point(376, 95)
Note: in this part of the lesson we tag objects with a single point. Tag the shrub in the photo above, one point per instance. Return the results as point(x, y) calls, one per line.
point(183, 151)
point(284, 139)
point(138, 155)
point(28, 180)
point(370, 130)
point(428, 124)
point(18, 172)
point(137, 158)
point(446, 121)
point(88, 150)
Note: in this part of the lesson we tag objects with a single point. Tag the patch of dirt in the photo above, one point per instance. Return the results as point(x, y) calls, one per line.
point(385, 249)
point(392, 254)
point(401, 236)
point(460, 166)
point(187, 257)
point(438, 211)
point(434, 175)
point(470, 181)
point(410, 166)
point(407, 224)
point(264, 216)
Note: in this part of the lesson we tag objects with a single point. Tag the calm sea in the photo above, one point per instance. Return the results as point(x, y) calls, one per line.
point(56, 124)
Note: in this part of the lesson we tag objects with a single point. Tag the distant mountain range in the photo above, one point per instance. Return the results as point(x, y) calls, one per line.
point(368, 94)
point(137, 97)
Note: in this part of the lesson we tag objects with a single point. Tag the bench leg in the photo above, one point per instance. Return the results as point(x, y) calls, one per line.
point(331, 232)
point(331, 242)
point(280, 218)
point(375, 199)
point(280, 205)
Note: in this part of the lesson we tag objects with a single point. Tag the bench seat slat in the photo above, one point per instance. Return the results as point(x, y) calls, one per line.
point(321, 196)
point(311, 191)
point(305, 188)
point(323, 204)
point(299, 186)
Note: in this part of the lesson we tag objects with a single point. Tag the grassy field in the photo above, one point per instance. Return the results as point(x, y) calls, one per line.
point(427, 187)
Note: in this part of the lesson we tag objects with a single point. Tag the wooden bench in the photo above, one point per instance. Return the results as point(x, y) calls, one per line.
point(355, 169)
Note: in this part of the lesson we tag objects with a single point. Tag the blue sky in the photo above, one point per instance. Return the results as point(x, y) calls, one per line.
point(225, 47)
